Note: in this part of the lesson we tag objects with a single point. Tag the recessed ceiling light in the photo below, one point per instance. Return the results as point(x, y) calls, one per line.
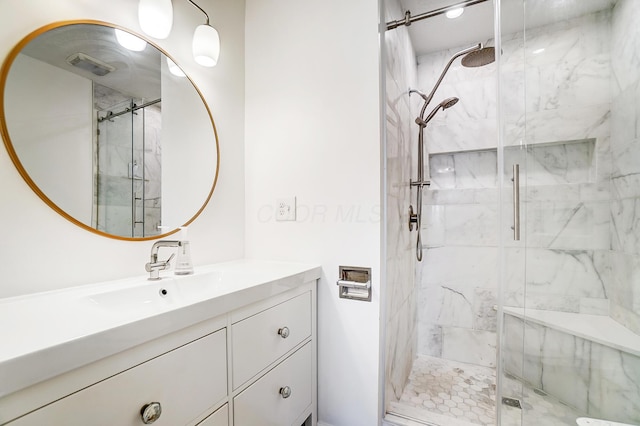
point(455, 13)
point(538, 51)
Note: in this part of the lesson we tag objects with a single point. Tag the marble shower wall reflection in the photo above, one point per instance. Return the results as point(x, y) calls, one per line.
point(127, 166)
point(401, 298)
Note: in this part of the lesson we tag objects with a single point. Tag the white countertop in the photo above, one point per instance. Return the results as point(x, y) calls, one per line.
point(46, 334)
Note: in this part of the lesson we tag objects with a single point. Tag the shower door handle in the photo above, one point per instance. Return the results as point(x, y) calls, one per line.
point(516, 202)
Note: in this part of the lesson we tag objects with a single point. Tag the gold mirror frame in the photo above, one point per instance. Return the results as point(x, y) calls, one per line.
point(4, 132)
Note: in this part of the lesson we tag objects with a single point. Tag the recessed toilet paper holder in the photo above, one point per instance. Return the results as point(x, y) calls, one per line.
point(354, 283)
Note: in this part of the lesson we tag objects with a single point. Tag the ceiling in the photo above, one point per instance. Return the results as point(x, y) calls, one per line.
point(476, 24)
point(136, 74)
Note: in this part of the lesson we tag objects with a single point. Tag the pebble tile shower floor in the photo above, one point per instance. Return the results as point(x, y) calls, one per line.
point(448, 393)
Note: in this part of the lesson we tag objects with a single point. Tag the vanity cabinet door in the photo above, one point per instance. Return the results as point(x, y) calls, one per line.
point(186, 382)
point(279, 397)
point(261, 339)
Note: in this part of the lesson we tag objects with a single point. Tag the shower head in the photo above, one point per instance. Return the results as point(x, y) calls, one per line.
point(447, 103)
point(479, 58)
point(464, 52)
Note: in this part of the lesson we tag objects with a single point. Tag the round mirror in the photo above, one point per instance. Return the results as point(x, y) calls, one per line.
point(108, 130)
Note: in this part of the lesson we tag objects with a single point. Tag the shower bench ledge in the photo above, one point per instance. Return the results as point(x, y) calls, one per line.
point(596, 328)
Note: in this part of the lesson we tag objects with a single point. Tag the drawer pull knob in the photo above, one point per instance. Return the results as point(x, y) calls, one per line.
point(151, 412)
point(284, 332)
point(285, 392)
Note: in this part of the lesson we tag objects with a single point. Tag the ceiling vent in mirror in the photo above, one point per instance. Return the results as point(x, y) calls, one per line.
point(88, 63)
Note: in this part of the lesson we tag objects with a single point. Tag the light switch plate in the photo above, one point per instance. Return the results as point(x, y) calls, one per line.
point(286, 209)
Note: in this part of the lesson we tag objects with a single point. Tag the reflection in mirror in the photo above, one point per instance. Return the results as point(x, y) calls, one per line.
point(106, 134)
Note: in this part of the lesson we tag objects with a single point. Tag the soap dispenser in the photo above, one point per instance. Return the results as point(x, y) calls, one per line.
point(183, 259)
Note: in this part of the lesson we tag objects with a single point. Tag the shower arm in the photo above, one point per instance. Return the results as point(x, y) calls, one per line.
point(428, 99)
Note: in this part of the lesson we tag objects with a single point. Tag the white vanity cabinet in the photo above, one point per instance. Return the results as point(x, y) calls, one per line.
point(281, 396)
point(248, 360)
point(273, 363)
point(261, 339)
point(184, 383)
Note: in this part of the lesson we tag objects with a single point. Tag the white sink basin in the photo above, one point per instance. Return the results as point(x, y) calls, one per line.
point(148, 296)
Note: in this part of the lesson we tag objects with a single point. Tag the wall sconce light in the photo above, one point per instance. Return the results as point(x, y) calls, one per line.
point(206, 43)
point(156, 19)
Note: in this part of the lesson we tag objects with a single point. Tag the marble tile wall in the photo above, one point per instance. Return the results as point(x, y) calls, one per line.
point(565, 118)
point(401, 299)
point(597, 380)
point(624, 288)
point(459, 275)
point(460, 216)
point(459, 270)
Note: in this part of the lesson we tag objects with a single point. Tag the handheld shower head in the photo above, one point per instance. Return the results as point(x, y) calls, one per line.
point(447, 103)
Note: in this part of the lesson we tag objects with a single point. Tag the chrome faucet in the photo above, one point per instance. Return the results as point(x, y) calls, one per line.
point(154, 266)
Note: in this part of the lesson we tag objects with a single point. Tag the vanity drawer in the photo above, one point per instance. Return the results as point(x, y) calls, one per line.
point(264, 403)
point(186, 382)
point(219, 418)
point(263, 338)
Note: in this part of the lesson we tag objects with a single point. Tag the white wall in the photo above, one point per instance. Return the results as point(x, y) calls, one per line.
point(39, 249)
point(313, 131)
point(188, 158)
point(53, 124)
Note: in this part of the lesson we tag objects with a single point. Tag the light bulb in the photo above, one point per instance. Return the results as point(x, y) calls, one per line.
point(206, 45)
point(130, 41)
point(156, 17)
point(454, 13)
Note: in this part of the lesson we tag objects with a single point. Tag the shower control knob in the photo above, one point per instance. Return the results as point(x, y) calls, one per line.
point(151, 412)
point(283, 332)
point(285, 392)
point(413, 219)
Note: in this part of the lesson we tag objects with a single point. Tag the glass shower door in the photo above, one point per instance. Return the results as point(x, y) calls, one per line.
point(570, 299)
point(115, 167)
point(128, 188)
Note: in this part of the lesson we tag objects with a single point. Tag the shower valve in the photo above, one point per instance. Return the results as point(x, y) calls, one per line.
point(413, 219)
